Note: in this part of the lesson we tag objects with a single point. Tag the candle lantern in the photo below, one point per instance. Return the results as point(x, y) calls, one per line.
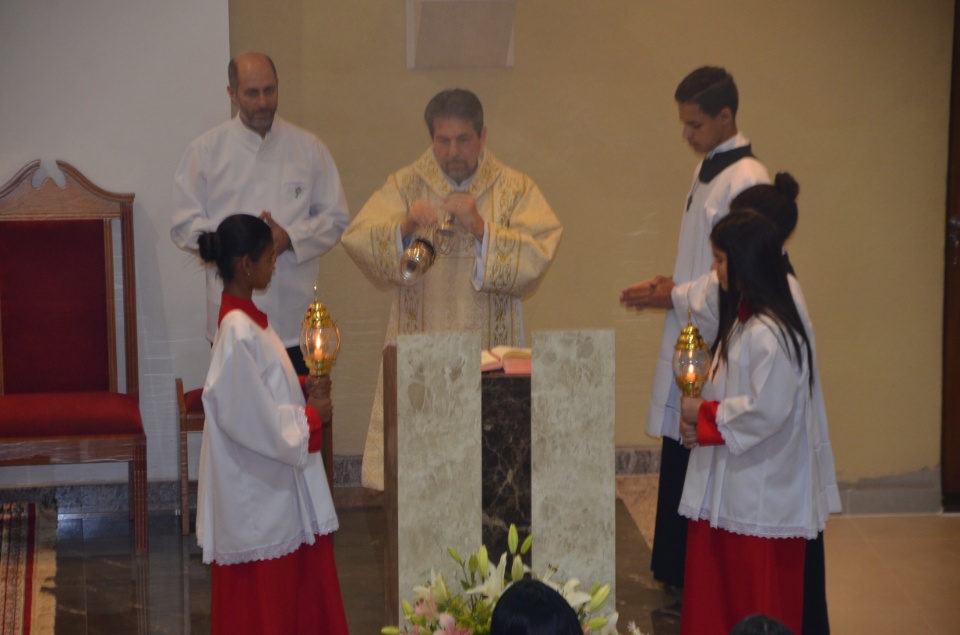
point(319, 338)
point(691, 359)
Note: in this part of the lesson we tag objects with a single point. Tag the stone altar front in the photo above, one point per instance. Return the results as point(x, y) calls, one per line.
point(457, 472)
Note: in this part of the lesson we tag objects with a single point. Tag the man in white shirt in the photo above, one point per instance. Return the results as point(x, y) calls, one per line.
point(259, 164)
point(707, 100)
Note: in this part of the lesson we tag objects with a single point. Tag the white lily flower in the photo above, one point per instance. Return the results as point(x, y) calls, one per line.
point(493, 583)
point(547, 579)
point(574, 598)
point(490, 581)
point(424, 591)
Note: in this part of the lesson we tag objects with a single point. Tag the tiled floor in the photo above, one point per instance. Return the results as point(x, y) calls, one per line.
point(102, 589)
point(885, 575)
point(894, 574)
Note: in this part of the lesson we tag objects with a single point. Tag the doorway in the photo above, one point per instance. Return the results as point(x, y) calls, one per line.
point(950, 434)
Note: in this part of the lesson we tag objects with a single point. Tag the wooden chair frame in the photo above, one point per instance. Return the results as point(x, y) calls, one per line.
point(82, 200)
point(189, 421)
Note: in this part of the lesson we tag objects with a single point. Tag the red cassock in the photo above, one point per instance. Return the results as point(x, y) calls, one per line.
point(297, 594)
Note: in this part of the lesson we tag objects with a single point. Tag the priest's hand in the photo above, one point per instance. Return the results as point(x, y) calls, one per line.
point(318, 387)
point(421, 215)
point(463, 207)
point(649, 294)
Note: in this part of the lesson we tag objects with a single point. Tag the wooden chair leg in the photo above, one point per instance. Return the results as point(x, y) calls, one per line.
point(184, 480)
point(131, 491)
point(139, 502)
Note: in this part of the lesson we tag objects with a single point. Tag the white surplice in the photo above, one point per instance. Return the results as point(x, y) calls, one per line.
point(768, 478)
point(708, 203)
point(261, 494)
point(702, 297)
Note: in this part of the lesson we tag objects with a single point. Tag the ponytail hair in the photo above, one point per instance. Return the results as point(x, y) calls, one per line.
point(778, 202)
point(237, 236)
point(757, 278)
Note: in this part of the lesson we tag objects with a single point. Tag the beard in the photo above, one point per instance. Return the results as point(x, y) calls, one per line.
point(458, 170)
point(259, 120)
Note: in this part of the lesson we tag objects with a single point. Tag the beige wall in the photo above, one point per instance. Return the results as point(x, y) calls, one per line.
point(851, 97)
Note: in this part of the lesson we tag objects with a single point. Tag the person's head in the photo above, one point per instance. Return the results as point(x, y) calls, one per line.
point(707, 100)
point(748, 260)
point(760, 625)
point(241, 246)
point(253, 90)
point(746, 252)
point(455, 121)
point(778, 202)
point(530, 607)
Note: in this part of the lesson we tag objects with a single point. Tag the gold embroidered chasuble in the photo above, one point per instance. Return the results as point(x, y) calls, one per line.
point(522, 237)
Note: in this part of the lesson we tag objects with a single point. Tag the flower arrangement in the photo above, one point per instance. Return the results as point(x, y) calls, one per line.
point(439, 610)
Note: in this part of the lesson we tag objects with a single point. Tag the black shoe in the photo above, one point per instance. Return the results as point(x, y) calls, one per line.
point(672, 610)
point(675, 591)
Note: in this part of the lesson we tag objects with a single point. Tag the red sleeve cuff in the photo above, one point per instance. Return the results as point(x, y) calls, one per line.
point(303, 384)
point(707, 431)
point(316, 429)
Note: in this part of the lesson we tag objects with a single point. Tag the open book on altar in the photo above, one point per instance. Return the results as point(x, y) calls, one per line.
point(511, 359)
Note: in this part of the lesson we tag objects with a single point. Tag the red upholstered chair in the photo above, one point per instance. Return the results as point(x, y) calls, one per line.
point(63, 335)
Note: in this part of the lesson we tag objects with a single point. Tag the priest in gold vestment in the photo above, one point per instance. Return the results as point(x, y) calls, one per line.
point(504, 236)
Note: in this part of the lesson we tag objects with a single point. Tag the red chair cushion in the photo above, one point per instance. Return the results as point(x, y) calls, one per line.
point(193, 400)
point(54, 314)
point(68, 414)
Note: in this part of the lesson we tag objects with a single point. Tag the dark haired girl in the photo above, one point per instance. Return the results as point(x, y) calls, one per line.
point(264, 511)
point(754, 489)
point(777, 203)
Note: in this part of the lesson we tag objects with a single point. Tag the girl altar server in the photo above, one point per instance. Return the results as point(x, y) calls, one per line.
point(777, 202)
point(264, 514)
point(753, 490)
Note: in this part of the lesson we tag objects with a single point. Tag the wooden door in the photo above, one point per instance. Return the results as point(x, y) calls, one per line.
point(950, 443)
